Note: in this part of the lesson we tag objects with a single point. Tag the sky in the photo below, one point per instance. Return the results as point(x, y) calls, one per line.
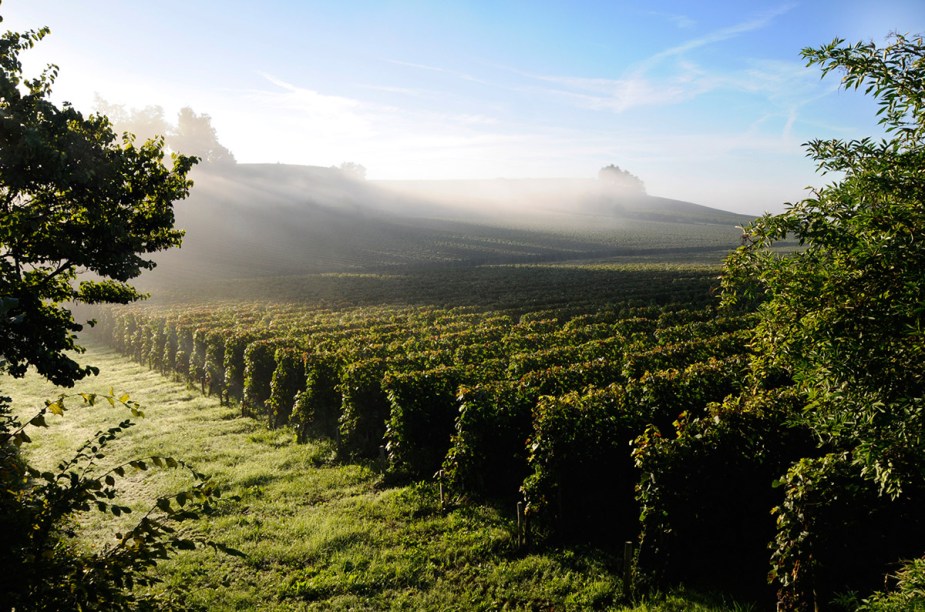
point(708, 102)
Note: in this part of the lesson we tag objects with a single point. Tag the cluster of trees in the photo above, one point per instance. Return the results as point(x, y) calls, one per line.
point(192, 133)
point(618, 179)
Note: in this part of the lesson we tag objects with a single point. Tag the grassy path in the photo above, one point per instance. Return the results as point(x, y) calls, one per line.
point(318, 534)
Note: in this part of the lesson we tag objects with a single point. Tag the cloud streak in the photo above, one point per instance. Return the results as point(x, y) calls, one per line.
point(720, 35)
point(426, 67)
point(639, 87)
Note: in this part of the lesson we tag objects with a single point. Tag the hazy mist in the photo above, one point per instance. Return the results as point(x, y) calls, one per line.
point(248, 220)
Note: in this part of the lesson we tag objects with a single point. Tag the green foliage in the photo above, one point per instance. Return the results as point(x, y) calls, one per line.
point(75, 199)
point(841, 320)
point(197, 360)
point(843, 316)
point(235, 345)
point(316, 409)
point(825, 544)
point(41, 565)
point(287, 381)
point(705, 493)
point(72, 198)
point(365, 407)
point(488, 450)
point(259, 366)
point(423, 410)
point(323, 534)
point(181, 361)
point(908, 594)
point(214, 364)
point(582, 477)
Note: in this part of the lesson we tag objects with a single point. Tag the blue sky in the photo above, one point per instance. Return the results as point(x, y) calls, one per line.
point(705, 101)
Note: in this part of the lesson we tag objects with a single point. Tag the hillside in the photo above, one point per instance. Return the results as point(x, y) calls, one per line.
point(272, 220)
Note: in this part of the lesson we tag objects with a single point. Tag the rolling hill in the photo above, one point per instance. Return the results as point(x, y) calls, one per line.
point(254, 220)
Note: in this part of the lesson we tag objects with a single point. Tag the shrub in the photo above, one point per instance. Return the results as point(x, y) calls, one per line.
point(41, 567)
point(423, 408)
point(488, 450)
point(215, 362)
point(706, 494)
point(365, 407)
point(582, 476)
point(836, 533)
point(258, 373)
point(288, 380)
point(317, 409)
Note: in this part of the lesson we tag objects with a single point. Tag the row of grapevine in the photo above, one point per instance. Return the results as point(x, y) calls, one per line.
point(647, 422)
point(544, 405)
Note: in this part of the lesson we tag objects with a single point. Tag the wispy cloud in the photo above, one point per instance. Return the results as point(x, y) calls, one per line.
point(461, 75)
point(649, 83)
point(619, 95)
point(325, 114)
point(757, 23)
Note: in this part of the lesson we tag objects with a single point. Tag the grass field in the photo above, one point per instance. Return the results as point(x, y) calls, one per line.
point(317, 533)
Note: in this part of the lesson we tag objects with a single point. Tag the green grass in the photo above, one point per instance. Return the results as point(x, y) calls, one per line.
point(317, 534)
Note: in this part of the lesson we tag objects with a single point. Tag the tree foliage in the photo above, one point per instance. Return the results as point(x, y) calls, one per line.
point(841, 319)
point(73, 198)
point(843, 316)
point(192, 133)
point(615, 177)
point(195, 135)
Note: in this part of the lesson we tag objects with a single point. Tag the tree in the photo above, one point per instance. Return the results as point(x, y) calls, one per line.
point(842, 318)
point(353, 170)
point(195, 134)
point(73, 199)
point(145, 123)
point(616, 178)
point(192, 133)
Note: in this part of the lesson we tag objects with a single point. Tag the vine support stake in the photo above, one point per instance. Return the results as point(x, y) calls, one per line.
point(440, 483)
point(521, 538)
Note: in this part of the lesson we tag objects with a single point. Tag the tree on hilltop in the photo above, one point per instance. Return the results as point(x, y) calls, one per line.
point(193, 133)
point(353, 170)
point(616, 178)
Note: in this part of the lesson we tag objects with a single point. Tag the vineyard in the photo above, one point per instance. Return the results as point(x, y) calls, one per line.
point(537, 404)
point(609, 404)
point(499, 394)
